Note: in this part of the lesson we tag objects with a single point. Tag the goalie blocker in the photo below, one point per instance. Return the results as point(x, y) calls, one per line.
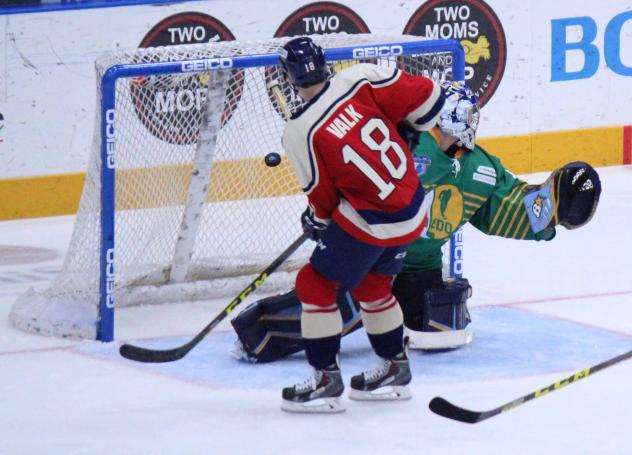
point(435, 316)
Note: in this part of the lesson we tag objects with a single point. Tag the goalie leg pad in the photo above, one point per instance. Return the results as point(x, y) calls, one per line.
point(409, 288)
point(444, 318)
point(270, 329)
point(446, 308)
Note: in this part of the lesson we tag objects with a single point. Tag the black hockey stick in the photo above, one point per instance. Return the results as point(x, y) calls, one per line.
point(446, 409)
point(169, 355)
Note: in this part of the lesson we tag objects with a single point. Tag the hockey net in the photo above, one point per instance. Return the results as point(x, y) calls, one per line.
point(248, 213)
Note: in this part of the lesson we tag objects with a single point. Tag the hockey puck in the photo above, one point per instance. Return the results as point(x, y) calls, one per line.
point(273, 159)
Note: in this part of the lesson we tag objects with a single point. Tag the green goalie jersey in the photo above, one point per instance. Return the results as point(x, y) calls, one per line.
point(473, 187)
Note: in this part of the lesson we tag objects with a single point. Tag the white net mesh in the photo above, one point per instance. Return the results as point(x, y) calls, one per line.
point(251, 211)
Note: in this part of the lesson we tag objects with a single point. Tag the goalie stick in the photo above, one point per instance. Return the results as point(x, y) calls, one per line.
point(446, 409)
point(147, 355)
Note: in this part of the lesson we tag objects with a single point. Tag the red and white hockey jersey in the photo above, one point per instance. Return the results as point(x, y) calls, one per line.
point(349, 158)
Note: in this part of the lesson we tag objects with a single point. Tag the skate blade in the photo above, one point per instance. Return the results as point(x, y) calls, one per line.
point(387, 393)
point(317, 406)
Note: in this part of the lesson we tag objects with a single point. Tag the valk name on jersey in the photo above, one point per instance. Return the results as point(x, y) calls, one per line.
point(342, 124)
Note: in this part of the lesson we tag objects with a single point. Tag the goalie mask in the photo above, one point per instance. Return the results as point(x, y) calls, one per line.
point(460, 114)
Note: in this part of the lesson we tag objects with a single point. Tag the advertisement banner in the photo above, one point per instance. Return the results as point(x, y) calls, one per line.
point(554, 79)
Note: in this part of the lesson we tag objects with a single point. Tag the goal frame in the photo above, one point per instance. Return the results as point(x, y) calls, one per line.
point(107, 271)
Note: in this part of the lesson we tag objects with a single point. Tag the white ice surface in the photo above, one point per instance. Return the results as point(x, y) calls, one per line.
point(541, 311)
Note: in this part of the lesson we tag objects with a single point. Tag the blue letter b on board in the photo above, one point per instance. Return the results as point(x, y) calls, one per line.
point(560, 47)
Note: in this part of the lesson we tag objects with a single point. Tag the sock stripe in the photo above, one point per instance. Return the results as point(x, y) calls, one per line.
point(380, 305)
point(383, 319)
point(309, 308)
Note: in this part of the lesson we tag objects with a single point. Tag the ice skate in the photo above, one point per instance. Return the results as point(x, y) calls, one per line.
point(320, 393)
point(389, 381)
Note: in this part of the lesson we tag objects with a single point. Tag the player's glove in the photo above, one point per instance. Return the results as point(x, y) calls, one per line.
point(311, 226)
point(460, 114)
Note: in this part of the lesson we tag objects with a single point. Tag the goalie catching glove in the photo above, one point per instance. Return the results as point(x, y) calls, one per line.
point(568, 197)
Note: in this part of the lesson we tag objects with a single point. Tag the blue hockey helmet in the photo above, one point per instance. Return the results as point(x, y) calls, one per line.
point(303, 62)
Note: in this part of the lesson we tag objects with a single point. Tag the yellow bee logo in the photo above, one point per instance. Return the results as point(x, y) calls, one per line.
point(474, 51)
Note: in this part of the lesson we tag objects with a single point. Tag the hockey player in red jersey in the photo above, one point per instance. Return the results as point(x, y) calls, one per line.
point(365, 206)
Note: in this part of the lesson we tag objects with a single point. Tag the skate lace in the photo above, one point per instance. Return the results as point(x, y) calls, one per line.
point(378, 372)
point(309, 383)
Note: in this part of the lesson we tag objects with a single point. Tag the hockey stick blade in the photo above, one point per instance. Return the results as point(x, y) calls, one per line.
point(444, 408)
point(148, 355)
